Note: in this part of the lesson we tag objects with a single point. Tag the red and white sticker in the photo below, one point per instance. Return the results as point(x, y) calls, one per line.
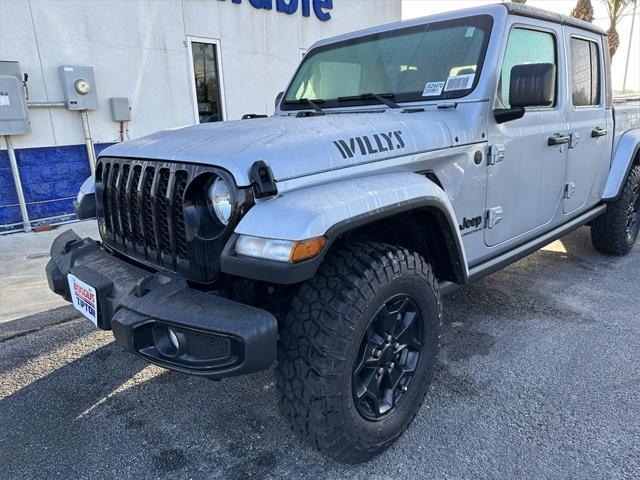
point(84, 298)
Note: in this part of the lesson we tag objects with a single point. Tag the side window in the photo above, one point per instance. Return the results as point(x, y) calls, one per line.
point(524, 47)
point(585, 72)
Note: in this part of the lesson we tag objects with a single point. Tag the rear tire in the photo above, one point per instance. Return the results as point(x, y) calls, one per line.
point(616, 231)
point(358, 350)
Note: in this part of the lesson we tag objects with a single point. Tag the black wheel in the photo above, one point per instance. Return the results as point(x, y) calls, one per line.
point(358, 350)
point(615, 232)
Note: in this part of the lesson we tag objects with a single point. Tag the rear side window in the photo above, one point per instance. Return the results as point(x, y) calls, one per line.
point(585, 73)
point(524, 47)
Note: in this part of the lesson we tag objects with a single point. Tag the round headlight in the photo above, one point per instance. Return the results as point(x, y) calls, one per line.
point(220, 198)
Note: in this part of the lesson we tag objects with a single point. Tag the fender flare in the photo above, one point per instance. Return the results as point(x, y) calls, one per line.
point(626, 152)
point(331, 210)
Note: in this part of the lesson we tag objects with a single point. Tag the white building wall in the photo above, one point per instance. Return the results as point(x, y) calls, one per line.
point(138, 49)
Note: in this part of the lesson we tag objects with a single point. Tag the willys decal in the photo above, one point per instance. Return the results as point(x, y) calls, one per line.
point(370, 144)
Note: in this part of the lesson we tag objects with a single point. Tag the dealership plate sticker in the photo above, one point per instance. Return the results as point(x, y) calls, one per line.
point(84, 298)
point(433, 89)
point(460, 82)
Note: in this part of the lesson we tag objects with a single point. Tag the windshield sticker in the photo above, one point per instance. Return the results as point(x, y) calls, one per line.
point(470, 31)
point(368, 145)
point(433, 89)
point(460, 82)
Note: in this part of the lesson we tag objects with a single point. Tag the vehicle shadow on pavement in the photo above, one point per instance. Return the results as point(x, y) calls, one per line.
point(109, 412)
point(32, 324)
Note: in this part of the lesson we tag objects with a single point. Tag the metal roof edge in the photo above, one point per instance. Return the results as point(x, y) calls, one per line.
point(541, 14)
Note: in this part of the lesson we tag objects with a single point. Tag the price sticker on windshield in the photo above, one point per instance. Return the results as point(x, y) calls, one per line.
point(460, 82)
point(433, 89)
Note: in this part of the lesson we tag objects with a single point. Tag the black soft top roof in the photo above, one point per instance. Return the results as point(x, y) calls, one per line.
point(539, 13)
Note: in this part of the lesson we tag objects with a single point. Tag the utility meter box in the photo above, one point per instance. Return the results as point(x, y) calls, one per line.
point(120, 109)
point(79, 86)
point(14, 114)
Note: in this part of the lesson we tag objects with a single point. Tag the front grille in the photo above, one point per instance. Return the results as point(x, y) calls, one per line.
point(141, 215)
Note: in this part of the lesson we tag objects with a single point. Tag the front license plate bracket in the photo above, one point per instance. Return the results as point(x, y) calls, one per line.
point(103, 288)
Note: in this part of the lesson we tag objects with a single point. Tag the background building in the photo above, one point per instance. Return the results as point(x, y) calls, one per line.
point(176, 61)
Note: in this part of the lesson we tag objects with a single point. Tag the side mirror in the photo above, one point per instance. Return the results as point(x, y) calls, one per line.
point(278, 98)
point(532, 85)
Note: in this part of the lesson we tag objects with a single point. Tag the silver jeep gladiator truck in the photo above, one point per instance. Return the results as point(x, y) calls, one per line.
point(402, 162)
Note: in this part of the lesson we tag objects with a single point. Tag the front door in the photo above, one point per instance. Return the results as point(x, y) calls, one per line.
point(526, 175)
point(589, 151)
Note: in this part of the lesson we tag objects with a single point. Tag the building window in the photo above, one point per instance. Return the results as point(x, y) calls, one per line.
point(585, 73)
point(207, 81)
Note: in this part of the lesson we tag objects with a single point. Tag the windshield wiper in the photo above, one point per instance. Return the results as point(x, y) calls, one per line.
point(386, 98)
point(312, 103)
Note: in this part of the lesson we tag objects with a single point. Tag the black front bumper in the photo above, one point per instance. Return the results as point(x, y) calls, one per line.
point(216, 337)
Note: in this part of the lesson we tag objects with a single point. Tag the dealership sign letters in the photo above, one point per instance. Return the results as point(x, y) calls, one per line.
point(290, 7)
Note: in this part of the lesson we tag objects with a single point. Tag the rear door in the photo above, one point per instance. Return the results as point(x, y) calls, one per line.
point(590, 148)
point(525, 184)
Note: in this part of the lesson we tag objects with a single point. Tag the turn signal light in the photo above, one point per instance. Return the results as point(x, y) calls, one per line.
point(306, 249)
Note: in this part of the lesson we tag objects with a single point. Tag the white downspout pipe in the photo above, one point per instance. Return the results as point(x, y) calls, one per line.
point(18, 183)
point(91, 153)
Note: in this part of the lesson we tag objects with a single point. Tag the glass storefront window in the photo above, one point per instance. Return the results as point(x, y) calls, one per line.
point(205, 71)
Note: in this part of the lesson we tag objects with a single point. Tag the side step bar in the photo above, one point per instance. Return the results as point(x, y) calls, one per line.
point(512, 256)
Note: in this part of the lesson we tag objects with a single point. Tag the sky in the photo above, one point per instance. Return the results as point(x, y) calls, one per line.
point(419, 8)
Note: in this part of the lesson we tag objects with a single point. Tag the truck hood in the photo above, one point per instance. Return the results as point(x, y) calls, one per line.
point(294, 147)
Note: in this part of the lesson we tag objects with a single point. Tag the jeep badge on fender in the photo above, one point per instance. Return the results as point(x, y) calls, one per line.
point(470, 223)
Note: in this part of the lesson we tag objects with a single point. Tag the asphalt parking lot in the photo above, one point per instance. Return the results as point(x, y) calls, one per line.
point(539, 377)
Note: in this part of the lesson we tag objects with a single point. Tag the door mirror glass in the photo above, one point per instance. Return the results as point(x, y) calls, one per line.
point(532, 85)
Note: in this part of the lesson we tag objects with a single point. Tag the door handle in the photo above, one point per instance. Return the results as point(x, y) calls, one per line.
point(599, 132)
point(558, 139)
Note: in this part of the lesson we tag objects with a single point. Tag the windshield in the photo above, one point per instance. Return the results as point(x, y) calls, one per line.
point(428, 62)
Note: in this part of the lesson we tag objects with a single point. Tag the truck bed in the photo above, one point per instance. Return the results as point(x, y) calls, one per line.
point(626, 116)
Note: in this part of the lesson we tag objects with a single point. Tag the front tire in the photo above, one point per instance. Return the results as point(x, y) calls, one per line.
point(616, 231)
point(358, 350)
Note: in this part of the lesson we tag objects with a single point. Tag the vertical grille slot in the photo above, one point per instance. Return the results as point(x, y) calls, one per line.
point(147, 211)
point(162, 212)
point(123, 204)
point(111, 199)
point(182, 249)
point(134, 202)
point(105, 203)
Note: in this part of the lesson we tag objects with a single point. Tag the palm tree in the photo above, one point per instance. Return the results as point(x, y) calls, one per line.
point(583, 11)
point(616, 9)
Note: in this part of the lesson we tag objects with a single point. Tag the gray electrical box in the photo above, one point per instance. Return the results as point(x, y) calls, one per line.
point(79, 86)
point(14, 115)
point(120, 110)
